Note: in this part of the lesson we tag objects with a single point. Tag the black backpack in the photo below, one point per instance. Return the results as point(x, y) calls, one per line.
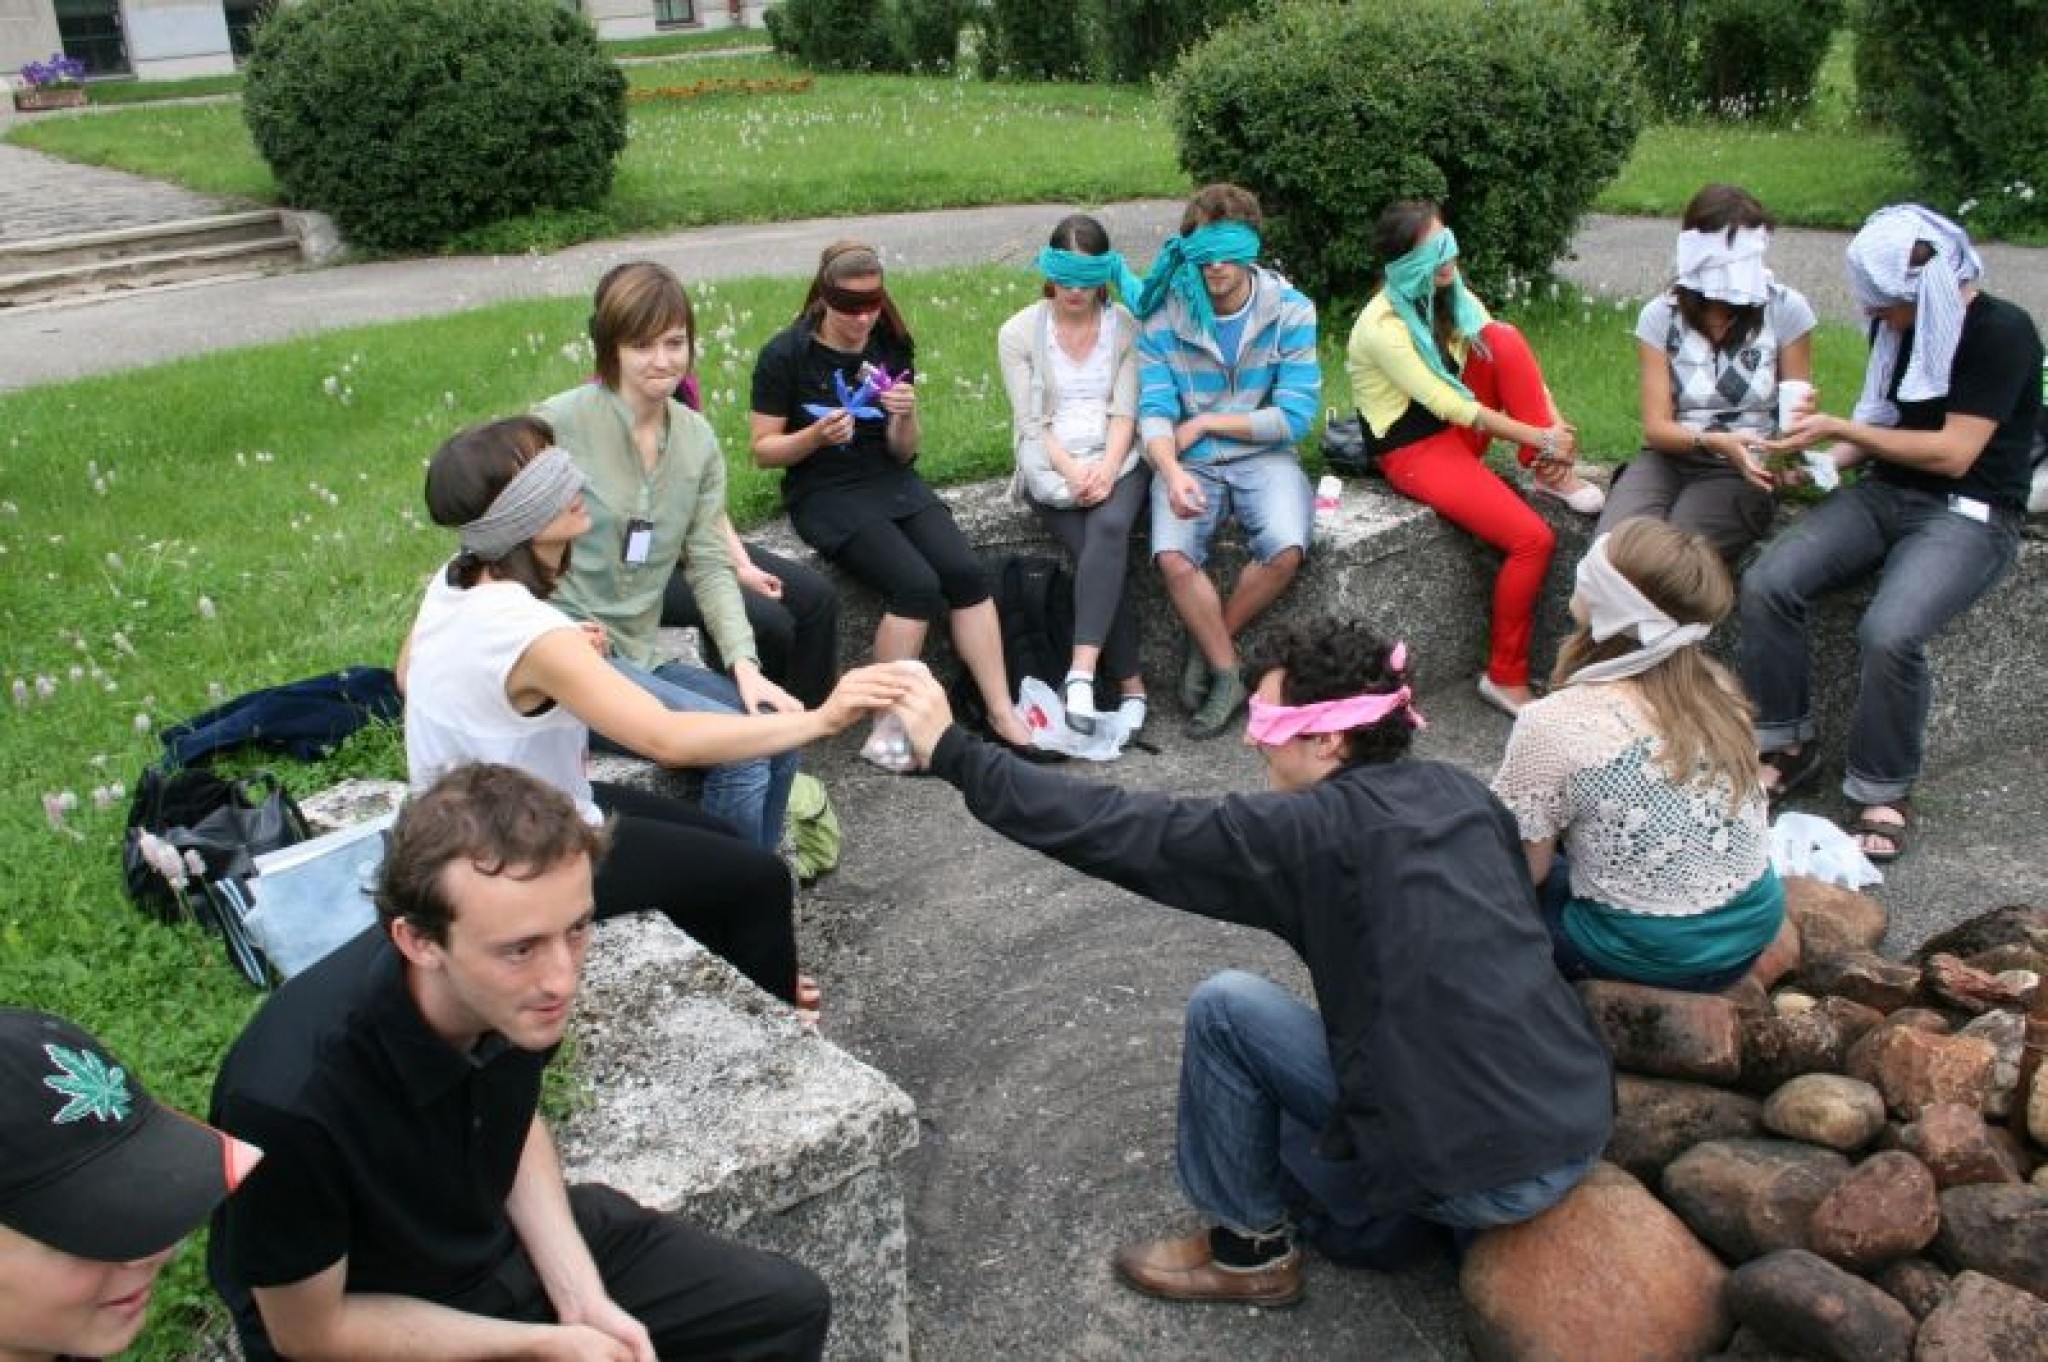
point(1034, 599)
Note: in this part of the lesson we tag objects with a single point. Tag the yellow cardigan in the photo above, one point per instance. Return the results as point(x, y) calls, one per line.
point(1387, 372)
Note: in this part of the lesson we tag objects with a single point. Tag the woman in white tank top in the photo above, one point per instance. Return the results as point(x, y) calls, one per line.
point(492, 672)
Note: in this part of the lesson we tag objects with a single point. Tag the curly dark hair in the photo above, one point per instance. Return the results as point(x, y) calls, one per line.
point(1331, 659)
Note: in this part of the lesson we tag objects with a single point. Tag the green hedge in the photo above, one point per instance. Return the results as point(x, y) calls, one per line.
point(1966, 86)
point(1725, 58)
point(1141, 39)
point(1034, 40)
point(411, 120)
point(1511, 113)
point(834, 35)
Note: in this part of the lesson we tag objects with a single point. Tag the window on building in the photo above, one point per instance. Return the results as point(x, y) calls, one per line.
point(91, 33)
point(674, 13)
point(243, 16)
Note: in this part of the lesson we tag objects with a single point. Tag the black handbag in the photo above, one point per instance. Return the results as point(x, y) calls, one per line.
point(1348, 447)
point(218, 827)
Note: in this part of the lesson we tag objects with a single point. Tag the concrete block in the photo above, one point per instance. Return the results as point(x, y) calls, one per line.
point(701, 1095)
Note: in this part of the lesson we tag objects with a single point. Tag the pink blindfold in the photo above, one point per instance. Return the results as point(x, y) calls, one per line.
point(1271, 725)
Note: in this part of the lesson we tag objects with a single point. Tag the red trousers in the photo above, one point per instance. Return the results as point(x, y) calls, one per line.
point(1444, 472)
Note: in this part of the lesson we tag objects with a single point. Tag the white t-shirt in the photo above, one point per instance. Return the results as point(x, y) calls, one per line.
point(464, 646)
point(1081, 423)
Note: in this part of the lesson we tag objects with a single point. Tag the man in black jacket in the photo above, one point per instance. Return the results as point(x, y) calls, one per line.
point(1451, 1075)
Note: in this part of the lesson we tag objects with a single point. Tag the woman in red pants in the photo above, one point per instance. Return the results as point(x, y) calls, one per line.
point(1436, 380)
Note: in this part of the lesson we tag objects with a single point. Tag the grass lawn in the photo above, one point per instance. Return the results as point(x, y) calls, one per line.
point(189, 532)
point(687, 41)
point(151, 91)
point(850, 144)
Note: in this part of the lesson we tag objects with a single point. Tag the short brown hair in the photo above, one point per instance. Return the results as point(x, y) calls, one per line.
point(498, 818)
point(636, 303)
point(1222, 203)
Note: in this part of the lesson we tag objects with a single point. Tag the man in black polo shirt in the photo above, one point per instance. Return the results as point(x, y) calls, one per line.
point(411, 1202)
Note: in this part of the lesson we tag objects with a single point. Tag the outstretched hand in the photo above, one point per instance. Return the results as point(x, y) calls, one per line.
point(865, 690)
point(926, 715)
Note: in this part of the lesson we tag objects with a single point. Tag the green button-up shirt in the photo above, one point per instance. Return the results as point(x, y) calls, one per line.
point(683, 501)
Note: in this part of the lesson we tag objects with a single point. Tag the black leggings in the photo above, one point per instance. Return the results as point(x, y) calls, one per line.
point(735, 899)
point(797, 635)
point(921, 564)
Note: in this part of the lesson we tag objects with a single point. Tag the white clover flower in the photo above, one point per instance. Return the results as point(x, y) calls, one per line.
point(103, 798)
point(114, 562)
point(45, 687)
point(331, 385)
point(142, 724)
point(447, 399)
point(216, 692)
point(206, 607)
point(20, 690)
point(122, 645)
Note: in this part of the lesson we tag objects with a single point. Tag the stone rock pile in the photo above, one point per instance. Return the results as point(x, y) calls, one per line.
point(1841, 1157)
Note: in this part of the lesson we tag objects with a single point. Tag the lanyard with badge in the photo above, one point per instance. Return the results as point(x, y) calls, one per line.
point(637, 541)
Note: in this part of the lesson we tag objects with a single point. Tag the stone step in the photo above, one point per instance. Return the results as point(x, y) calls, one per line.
point(130, 258)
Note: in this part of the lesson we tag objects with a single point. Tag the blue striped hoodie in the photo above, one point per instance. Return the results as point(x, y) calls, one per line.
point(1277, 377)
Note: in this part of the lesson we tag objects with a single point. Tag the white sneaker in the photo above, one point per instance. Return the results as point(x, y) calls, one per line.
point(1584, 497)
point(1498, 698)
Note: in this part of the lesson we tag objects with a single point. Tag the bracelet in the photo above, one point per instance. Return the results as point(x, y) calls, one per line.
point(1546, 448)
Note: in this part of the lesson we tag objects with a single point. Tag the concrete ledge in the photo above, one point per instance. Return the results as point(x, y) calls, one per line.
point(710, 1100)
point(1394, 562)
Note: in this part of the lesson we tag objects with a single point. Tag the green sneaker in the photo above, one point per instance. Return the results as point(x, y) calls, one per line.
point(1226, 697)
point(1194, 679)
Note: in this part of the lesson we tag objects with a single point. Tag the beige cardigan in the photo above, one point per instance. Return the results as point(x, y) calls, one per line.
point(1021, 348)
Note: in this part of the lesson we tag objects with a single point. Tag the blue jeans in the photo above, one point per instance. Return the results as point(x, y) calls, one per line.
point(1935, 564)
point(1268, 493)
point(1257, 1086)
point(752, 795)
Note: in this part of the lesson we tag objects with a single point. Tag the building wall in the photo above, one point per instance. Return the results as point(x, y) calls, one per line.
point(175, 39)
point(28, 32)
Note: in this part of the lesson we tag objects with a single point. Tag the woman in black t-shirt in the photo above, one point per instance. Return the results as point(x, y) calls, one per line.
point(847, 478)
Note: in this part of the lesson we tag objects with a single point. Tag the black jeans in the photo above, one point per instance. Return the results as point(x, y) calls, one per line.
point(699, 1296)
point(737, 900)
point(922, 564)
point(797, 636)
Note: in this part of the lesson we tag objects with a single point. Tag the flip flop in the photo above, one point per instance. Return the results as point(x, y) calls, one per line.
point(1796, 771)
point(1899, 834)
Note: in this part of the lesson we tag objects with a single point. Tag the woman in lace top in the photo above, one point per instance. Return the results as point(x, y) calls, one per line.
point(1712, 351)
point(1634, 782)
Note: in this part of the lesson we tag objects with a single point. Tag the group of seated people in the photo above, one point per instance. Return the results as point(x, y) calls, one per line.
point(1624, 835)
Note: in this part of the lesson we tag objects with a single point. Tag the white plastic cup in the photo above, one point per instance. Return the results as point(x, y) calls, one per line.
point(1793, 395)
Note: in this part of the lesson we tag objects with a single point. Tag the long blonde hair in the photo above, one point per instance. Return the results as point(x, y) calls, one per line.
point(1696, 707)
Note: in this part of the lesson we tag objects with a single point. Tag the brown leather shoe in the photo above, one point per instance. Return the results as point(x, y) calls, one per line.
point(1183, 1269)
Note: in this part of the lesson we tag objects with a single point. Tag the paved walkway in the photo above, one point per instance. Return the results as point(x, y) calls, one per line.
point(1613, 256)
point(47, 197)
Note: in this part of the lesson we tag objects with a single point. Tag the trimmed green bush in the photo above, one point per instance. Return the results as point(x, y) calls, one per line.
point(926, 33)
point(834, 35)
point(1969, 95)
point(1726, 58)
point(1141, 39)
point(1034, 40)
point(411, 120)
point(1511, 113)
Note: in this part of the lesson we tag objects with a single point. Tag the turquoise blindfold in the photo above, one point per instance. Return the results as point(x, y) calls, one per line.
point(1071, 269)
point(1179, 267)
point(1411, 290)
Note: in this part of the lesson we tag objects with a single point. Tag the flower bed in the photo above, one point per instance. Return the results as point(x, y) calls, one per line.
point(53, 84)
point(721, 85)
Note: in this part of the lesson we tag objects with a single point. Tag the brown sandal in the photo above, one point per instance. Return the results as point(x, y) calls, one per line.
point(1899, 834)
point(1796, 771)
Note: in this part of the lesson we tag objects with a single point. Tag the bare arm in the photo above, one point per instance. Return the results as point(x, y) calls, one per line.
point(538, 1207)
point(775, 445)
point(1541, 855)
point(1950, 452)
point(1665, 433)
point(560, 666)
point(317, 1318)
